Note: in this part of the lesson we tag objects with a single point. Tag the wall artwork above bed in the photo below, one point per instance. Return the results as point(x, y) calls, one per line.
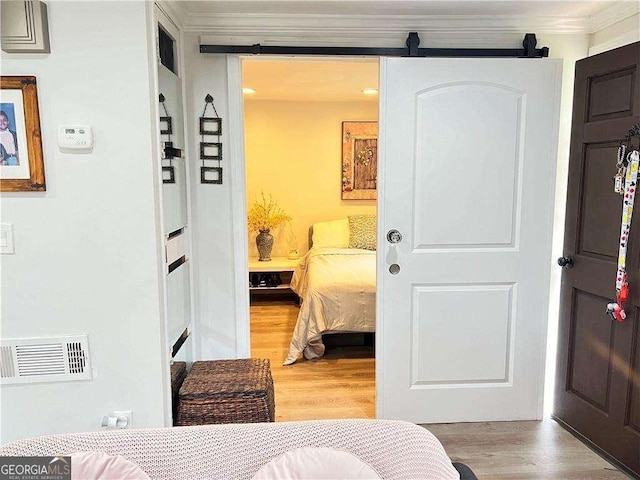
point(359, 160)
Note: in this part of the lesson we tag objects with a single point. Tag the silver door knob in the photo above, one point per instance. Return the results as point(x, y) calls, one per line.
point(394, 236)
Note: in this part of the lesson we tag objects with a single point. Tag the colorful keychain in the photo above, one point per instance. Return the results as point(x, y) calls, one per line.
point(616, 309)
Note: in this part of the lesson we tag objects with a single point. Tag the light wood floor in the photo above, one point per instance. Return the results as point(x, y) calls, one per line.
point(342, 385)
point(522, 450)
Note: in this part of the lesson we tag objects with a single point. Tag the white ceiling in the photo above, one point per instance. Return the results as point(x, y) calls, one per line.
point(398, 7)
point(310, 80)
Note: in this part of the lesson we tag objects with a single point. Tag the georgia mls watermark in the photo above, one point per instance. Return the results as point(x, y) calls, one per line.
point(35, 468)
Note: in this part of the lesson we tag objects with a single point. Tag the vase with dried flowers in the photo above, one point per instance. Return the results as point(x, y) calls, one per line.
point(264, 216)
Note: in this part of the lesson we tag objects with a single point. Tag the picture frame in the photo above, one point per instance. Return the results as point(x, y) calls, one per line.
point(168, 175)
point(166, 127)
point(21, 158)
point(210, 151)
point(210, 126)
point(211, 175)
point(359, 173)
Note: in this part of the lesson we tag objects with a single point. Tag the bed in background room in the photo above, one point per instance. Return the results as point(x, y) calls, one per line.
point(336, 282)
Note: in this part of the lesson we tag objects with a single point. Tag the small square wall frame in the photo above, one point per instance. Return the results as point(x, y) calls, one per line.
point(210, 151)
point(210, 126)
point(165, 126)
point(168, 175)
point(211, 175)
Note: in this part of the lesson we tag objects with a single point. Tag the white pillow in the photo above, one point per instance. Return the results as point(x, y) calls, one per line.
point(334, 234)
point(96, 465)
point(316, 463)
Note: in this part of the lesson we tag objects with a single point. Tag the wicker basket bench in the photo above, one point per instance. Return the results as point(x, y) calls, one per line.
point(227, 391)
point(178, 374)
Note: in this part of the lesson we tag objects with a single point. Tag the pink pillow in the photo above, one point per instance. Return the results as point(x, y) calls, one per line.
point(316, 463)
point(102, 466)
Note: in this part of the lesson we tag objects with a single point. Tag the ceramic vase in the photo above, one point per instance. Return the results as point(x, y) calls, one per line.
point(264, 242)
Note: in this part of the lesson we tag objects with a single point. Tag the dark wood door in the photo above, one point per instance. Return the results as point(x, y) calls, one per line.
point(598, 376)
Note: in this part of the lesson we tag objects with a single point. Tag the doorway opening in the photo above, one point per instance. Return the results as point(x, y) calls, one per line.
point(310, 128)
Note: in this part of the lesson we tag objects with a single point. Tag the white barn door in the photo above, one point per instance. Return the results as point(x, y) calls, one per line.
point(467, 175)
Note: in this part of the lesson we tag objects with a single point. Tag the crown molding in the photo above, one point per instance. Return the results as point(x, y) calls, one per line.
point(383, 27)
point(176, 11)
point(613, 14)
point(387, 30)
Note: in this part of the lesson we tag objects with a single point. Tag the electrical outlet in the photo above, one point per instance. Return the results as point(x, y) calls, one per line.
point(124, 416)
point(118, 419)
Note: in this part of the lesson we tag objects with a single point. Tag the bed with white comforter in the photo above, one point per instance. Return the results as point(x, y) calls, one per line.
point(337, 287)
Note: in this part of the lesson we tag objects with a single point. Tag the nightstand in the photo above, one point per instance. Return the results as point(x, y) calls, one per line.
point(271, 277)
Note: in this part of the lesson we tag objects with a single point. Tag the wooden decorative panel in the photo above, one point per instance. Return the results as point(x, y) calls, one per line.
point(601, 207)
point(611, 95)
point(365, 175)
point(591, 337)
point(359, 160)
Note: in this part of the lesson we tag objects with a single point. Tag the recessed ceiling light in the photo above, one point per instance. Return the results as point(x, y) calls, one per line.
point(248, 91)
point(370, 91)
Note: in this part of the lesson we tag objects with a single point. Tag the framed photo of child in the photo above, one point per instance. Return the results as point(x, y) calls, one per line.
point(21, 160)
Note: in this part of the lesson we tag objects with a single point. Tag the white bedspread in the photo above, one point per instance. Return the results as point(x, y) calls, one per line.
point(338, 291)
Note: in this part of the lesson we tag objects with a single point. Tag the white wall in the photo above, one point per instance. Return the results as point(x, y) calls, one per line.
point(87, 252)
point(213, 268)
point(621, 33)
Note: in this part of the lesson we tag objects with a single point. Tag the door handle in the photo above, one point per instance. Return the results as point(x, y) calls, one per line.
point(565, 261)
point(394, 236)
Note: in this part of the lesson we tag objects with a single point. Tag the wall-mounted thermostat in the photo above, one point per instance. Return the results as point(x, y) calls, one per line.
point(75, 137)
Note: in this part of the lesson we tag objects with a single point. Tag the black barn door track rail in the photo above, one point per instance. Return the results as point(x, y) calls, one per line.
point(412, 49)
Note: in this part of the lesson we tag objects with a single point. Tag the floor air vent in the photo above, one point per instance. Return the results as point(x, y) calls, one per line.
point(32, 360)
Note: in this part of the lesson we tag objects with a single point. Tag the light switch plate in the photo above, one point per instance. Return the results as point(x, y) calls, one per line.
point(6, 239)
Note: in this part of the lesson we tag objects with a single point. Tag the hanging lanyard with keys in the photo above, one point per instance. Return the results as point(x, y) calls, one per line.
point(630, 176)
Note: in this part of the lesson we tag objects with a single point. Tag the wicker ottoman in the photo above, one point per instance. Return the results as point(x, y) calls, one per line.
point(227, 391)
point(178, 374)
